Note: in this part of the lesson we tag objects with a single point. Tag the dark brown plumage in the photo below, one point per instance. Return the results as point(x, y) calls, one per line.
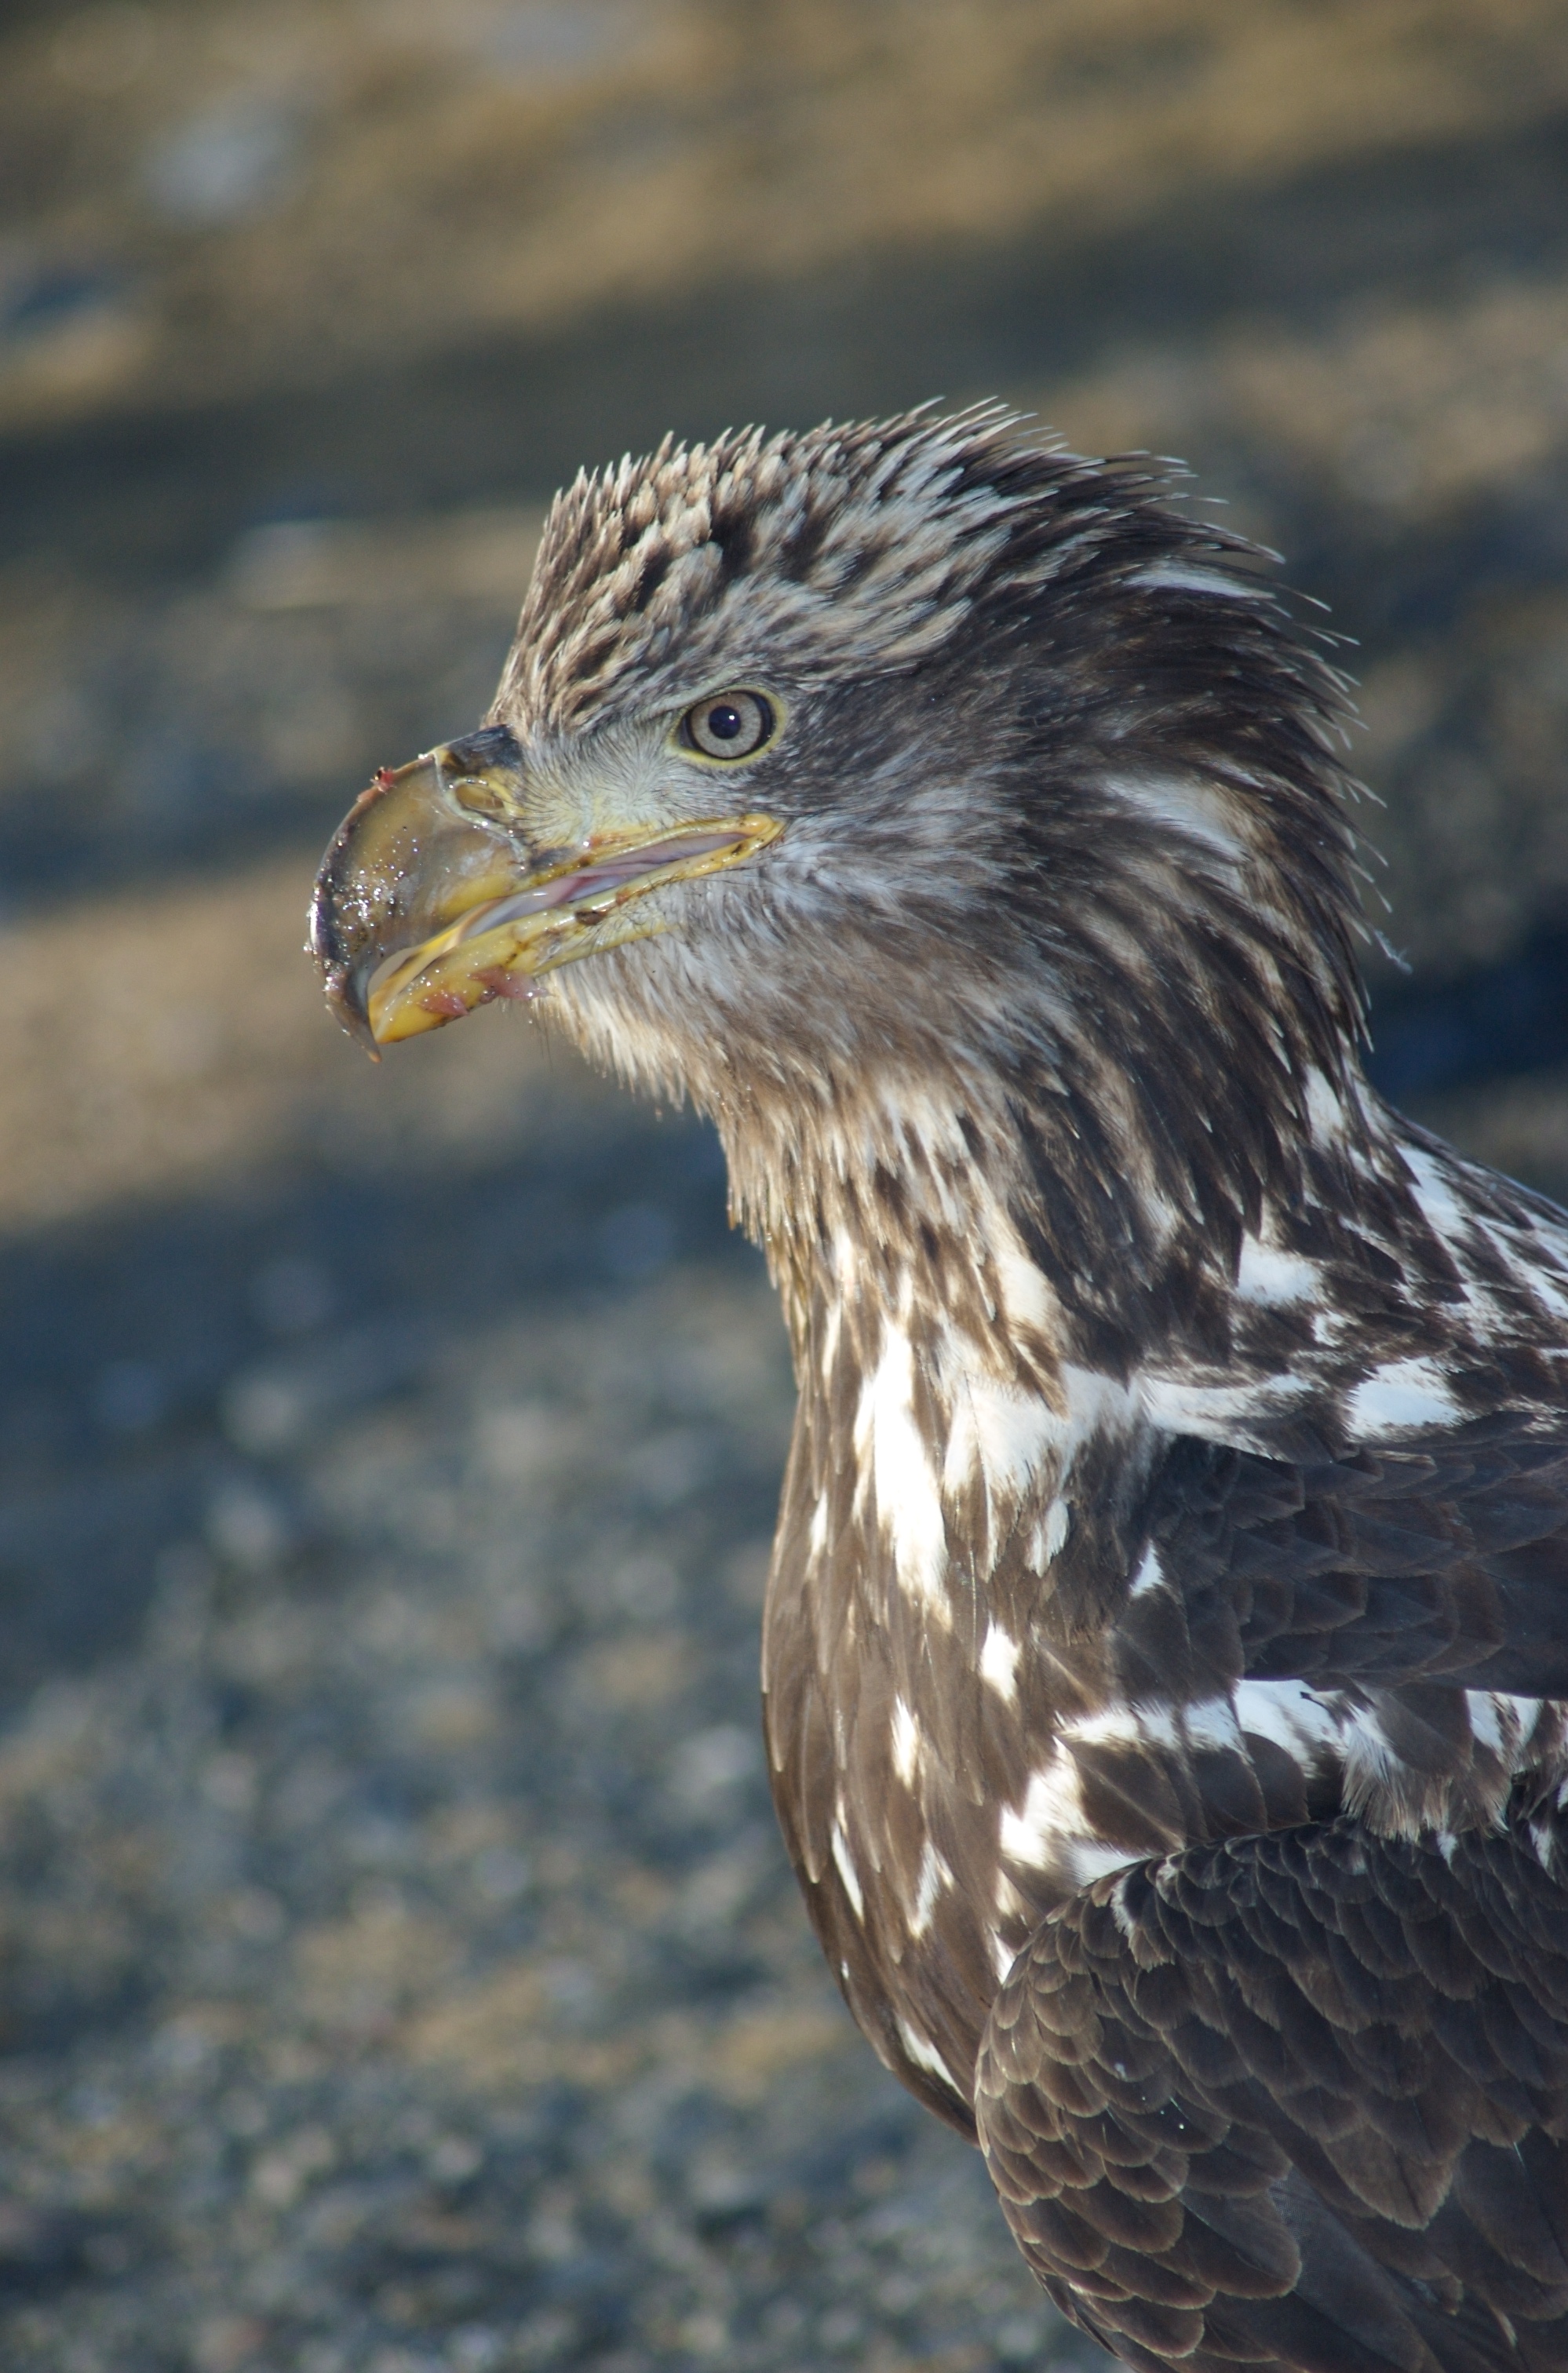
point(1167, 1642)
point(1296, 2100)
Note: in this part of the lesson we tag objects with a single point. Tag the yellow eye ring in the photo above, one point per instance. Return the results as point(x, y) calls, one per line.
point(725, 728)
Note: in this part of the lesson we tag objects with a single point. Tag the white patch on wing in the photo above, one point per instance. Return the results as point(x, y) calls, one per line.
point(1370, 1761)
point(1048, 1537)
point(1325, 1113)
point(1016, 1442)
point(847, 1872)
point(1505, 1725)
point(1150, 1573)
point(891, 1453)
point(1549, 1290)
point(1465, 1230)
point(998, 1663)
point(925, 2055)
point(1026, 1296)
point(1399, 1399)
point(1052, 1809)
point(1120, 1913)
point(1237, 1414)
point(1006, 1434)
point(828, 1345)
point(1121, 1726)
point(1269, 1276)
point(817, 1535)
point(1096, 1405)
point(1486, 1724)
point(1536, 1258)
point(905, 1743)
point(1092, 1861)
point(1288, 1713)
point(1009, 1903)
point(1433, 1192)
point(1211, 1723)
point(934, 1876)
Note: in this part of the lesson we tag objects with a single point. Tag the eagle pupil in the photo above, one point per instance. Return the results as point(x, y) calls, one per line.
point(725, 723)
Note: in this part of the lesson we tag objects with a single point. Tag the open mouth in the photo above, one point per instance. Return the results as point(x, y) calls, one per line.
point(499, 946)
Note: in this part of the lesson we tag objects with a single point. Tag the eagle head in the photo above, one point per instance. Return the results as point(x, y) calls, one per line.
point(903, 763)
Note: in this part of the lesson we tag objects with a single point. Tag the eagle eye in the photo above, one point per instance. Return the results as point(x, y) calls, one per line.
point(728, 725)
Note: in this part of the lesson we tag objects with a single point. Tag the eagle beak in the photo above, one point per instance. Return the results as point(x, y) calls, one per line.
point(433, 899)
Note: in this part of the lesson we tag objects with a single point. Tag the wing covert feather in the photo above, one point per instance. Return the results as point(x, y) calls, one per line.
point(1297, 2101)
point(1441, 1560)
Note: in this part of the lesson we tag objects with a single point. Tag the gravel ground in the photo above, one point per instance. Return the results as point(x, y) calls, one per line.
point(398, 1966)
point(402, 1966)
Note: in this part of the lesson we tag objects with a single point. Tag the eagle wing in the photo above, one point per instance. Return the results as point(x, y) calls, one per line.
point(1442, 1560)
point(1296, 2101)
point(1300, 2100)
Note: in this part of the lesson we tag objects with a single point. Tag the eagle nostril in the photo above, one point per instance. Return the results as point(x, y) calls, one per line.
point(478, 796)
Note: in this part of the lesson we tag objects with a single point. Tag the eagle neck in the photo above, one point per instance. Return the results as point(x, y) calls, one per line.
point(1046, 1210)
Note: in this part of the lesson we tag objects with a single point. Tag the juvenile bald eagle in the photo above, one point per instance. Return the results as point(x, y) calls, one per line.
point(1167, 1646)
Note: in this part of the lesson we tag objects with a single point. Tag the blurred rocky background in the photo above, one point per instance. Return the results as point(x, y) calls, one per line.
point(398, 1968)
